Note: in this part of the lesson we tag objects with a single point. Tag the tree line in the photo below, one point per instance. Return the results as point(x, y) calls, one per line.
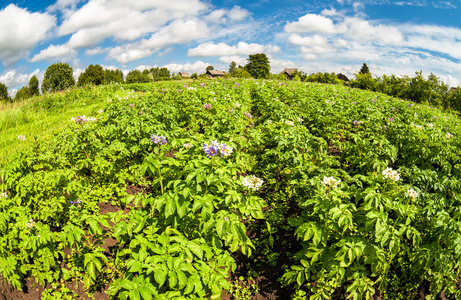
point(432, 91)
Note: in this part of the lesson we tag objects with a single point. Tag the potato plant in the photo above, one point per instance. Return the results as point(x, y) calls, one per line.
point(368, 185)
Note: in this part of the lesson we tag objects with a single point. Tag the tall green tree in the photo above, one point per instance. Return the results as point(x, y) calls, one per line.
point(22, 94)
point(232, 68)
point(136, 76)
point(93, 75)
point(4, 93)
point(33, 86)
point(58, 76)
point(209, 68)
point(258, 66)
point(364, 69)
point(113, 76)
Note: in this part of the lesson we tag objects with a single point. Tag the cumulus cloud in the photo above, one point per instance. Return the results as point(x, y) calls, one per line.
point(21, 31)
point(239, 60)
point(235, 14)
point(178, 32)
point(196, 67)
point(14, 79)
point(61, 52)
point(222, 49)
point(311, 23)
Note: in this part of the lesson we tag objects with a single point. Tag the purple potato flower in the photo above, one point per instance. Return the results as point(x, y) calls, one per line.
point(156, 139)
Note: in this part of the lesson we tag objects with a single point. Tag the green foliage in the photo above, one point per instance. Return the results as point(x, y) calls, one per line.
point(454, 99)
point(322, 151)
point(113, 76)
point(93, 75)
point(21, 94)
point(58, 77)
point(33, 87)
point(258, 66)
point(241, 73)
point(243, 291)
point(136, 76)
point(363, 81)
point(232, 68)
point(209, 68)
point(323, 78)
point(364, 69)
point(159, 73)
point(4, 97)
point(194, 76)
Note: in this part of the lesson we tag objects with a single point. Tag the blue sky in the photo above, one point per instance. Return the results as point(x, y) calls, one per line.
point(392, 36)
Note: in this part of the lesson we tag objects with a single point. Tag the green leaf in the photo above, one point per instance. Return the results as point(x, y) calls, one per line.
point(160, 276)
point(172, 279)
point(170, 207)
point(196, 249)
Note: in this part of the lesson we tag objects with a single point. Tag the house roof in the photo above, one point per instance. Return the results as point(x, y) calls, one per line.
point(184, 74)
point(289, 71)
point(342, 77)
point(215, 73)
point(454, 89)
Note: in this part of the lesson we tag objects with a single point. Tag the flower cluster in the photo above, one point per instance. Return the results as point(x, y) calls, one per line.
point(269, 121)
point(76, 202)
point(391, 120)
point(100, 111)
point(357, 123)
point(252, 182)
point(82, 119)
point(291, 123)
point(300, 120)
point(330, 182)
point(207, 106)
point(4, 195)
point(247, 114)
point(411, 193)
point(236, 104)
point(430, 125)
point(214, 147)
point(188, 146)
point(30, 223)
point(448, 135)
point(391, 174)
point(21, 138)
point(329, 102)
point(156, 139)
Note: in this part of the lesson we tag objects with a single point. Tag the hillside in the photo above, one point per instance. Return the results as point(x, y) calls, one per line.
point(263, 189)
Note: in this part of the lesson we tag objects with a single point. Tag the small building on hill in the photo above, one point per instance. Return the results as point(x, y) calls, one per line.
point(214, 73)
point(290, 72)
point(342, 77)
point(184, 75)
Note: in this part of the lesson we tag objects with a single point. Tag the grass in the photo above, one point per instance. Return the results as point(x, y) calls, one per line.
point(43, 116)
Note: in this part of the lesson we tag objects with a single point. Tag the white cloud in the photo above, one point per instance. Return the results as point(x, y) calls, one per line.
point(96, 51)
point(315, 40)
point(238, 14)
point(359, 29)
point(21, 31)
point(63, 4)
point(14, 79)
point(178, 32)
point(239, 60)
point(61, 52)
point(196, 67)
point(222, 49)
point(311, 23)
